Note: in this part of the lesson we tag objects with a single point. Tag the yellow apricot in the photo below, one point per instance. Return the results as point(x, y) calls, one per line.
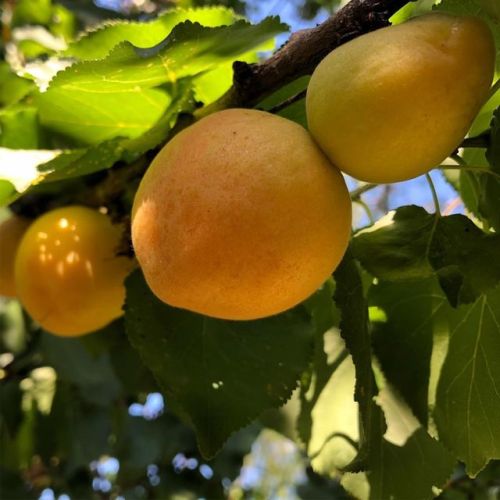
point(11, 232)
point(393, 104)
point(68, 276)
point(240, 216)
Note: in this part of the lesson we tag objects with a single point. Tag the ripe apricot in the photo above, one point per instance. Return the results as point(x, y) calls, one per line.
point(393, 104)
point(68, 275)
point(240, 216)
point(12, 230)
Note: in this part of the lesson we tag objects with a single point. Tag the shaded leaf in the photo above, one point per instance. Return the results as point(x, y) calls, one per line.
point(464, 258)
point(218, 374)
point(396, 247)
point(10, 405)
point(92, 374)
point(412, 244)
point(467, 409)
point(350, 299)
point(403, 336)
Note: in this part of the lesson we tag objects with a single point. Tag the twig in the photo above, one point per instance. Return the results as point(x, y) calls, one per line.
point(291, 100)
point(494, 89)
point(479, 141)
point(303, 52)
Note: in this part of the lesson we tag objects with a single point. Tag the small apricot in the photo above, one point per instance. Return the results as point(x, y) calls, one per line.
point(68, 276)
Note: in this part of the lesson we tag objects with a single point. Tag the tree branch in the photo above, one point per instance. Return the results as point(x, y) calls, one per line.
point(303, 52)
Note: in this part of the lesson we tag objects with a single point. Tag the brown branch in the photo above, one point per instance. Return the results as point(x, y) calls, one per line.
point(303, 52)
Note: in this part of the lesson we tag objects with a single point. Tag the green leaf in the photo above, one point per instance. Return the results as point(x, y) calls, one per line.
point(74, 431)
point(489, 198)
point(412, 244)
point(464, 258)
point(218, 374)
point(467, 409)
point(404, 336)
point(98, 41)
point(19, 128)
point(295, 111)
point(328, 419)
point(32, 12)
point(396, 247)
point(472, 8)
point(10, 405)
point(12, 87)
point(93, 116)
point(97, 100)
point(409, 472)
point(92, 374)
point(24, 169)
point(350, 299)
point(411, 463)
point(328, 422)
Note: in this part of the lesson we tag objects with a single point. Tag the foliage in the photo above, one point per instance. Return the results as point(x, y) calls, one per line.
point(387, 378)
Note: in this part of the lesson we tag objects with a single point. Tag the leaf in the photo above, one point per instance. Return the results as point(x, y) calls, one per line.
point(472, 8)
point(350, 299)
point(218, 374)
point(328, 419)
point(467, 411)
point(409, 472)
point(93, 116)
point(92, 374)
point(411, 463)
point(489, 200)
point(96, 100)
point(396, 247)
point(405, 334)
point(12, 87)
point(98, 41)
point(329, 414)
point(74, 431)
point(464, 258)
point(10, 405)
point(19, 128)
point(33, 168)
point(412, 244)
point(295, 111)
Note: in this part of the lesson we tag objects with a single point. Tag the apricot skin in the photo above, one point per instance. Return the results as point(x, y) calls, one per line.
point(68, 276)
point(12, 230)
point(393, 104)
point(240, 216)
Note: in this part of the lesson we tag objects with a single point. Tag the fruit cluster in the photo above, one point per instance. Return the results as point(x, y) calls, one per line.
point(245, 214)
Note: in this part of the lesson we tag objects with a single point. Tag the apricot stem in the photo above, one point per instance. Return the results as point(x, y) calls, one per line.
point(434, 195)
point(356, 193)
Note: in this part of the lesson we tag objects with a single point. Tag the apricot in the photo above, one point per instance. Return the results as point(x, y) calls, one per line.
point(12, 230)
point(240, 216)
point(68, 276)
point(393, 104)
